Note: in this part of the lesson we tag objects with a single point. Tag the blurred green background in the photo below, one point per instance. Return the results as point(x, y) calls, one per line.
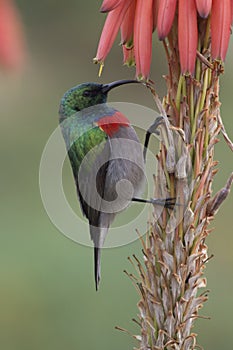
point(47, 295)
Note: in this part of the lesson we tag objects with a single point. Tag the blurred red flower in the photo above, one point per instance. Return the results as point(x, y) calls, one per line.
point(12, 42)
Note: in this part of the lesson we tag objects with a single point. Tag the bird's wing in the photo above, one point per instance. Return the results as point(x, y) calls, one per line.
point(89, 159)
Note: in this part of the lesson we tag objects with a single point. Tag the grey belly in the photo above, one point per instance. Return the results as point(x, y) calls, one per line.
point(126, 172)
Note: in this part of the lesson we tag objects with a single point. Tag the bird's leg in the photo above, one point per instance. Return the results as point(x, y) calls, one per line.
point(152, 130)
point(167, 202)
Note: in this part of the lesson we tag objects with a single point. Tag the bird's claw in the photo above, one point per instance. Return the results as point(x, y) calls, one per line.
point(167, 202)
point(153, 128)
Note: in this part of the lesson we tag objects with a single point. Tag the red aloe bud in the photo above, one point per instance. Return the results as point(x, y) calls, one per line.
point(204, 7)
point(128, 24)
point(12, 43)
point(220, 28)
point(187, 35)
point(166, 14)
point(109, 5)
point(110, 30)
point(143, 27)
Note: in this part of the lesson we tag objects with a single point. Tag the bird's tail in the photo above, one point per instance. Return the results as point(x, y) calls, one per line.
point(98, 235)
point(97, 254)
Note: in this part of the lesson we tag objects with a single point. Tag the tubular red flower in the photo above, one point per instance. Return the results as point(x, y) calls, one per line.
point(110, 30)
point(143, 27)
point(128, 24)
point(220, 28)
point(166, 14)
point(187, 35)
point(204, 7)
point(12, 42)
point(137, 20)
point(109, 5)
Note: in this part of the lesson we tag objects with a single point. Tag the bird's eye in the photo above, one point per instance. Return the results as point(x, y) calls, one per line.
point(87, 93)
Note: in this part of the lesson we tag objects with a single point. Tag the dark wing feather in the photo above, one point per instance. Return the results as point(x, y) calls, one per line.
point(90, 179)
point(91, 213)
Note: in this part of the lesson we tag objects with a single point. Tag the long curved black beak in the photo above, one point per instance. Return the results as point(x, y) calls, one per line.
point(107, 87)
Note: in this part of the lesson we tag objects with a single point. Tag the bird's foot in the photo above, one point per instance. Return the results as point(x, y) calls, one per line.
point(167, 202)
point(153, 128)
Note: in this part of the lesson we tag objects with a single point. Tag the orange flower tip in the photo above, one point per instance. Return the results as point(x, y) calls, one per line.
point(161, 36)
point(103, 10)
point(109, 5)
point(128, 44)
point(203, 14)
point(203, 7)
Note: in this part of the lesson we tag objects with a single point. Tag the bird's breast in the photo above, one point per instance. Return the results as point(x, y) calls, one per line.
point(110, 124)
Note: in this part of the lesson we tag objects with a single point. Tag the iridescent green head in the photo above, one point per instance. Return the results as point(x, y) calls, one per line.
point(86, 95)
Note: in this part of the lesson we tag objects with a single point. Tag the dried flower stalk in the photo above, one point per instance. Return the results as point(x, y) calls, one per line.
point(175, 252)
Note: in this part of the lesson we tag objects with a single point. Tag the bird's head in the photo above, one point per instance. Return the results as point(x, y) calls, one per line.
point(86, 95)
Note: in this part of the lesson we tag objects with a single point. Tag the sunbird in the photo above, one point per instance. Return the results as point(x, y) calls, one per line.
point(106, 157)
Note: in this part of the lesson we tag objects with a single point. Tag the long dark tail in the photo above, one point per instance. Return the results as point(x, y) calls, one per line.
point(98, 235)
point(97, 253)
